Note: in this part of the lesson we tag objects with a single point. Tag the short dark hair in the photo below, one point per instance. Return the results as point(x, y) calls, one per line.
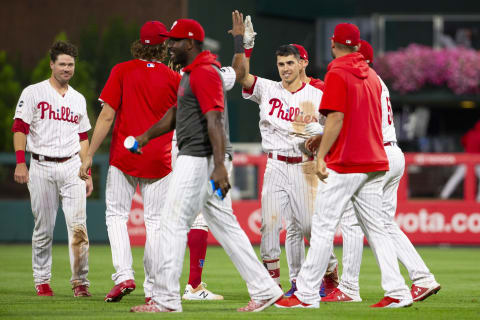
point(343, 47)
point(156, 52)
point(62, 47)
point(287, 50)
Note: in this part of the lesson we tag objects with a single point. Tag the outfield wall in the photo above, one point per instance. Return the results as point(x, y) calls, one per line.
point(425, 221)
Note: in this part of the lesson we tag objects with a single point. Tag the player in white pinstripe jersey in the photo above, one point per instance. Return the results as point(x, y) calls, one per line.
point(289, 186)
point(294, 242)
point(424, 283)
point(51, 121)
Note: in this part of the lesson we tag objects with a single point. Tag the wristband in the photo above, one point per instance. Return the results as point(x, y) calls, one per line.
point(238, 44)
point(20, 154)
point(89, 171)
point(248, 52)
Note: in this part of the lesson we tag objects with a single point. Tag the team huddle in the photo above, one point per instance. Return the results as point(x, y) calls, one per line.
point(333, 161)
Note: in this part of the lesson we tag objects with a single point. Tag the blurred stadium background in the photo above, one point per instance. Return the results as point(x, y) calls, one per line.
point(427, 51)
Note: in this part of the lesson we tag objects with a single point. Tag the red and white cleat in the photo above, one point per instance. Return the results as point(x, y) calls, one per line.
point(150, 308)
point(338, 296)
point(81, 291)
point(44, 290)
point(119, 290)
point(388, 302)
point(422, 293)
point(293, 302)
point(254, 306)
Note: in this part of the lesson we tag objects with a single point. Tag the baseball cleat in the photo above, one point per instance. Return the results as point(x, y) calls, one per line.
point(44, 290)
point(148, 300)
point(338, 296)
point(81, 291)
point(330, 281)
point(422, 293)
point(388, 302)
point(293, 302)
point(290, 292)
point(119, 290)
point(150, 308)
point(200, 293)
point(254, 306)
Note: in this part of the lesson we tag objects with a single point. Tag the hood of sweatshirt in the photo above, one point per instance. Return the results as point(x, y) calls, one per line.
point(204, 58)
point(353, 63)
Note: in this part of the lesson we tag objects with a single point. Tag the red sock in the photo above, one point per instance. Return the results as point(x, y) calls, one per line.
point(197, 243)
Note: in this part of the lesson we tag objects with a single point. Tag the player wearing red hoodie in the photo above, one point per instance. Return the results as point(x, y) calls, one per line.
point(351, 160)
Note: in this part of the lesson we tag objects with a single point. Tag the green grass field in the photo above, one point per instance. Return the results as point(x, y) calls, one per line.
point(458, 271)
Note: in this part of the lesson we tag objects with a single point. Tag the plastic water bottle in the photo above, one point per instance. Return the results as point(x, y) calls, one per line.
point(131, 144)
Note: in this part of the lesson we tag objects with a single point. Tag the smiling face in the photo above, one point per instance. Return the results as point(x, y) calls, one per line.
point(63, 68)
point(289, 68)
point(177, 50)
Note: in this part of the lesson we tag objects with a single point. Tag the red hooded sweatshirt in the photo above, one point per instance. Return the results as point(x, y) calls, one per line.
point(351, 87)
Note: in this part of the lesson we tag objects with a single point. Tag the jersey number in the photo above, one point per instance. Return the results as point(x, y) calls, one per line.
point(390, 112)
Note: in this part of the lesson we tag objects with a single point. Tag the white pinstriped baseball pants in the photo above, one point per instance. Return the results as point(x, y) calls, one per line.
point(199, 222)
point(365, 192)
point(49, 183)
point(188, 193)
point(289, 192)
point(120, 190)
point(353, 235)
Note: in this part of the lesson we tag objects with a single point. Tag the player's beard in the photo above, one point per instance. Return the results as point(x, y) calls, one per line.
point(179, 57)
point(61, 80)
point(333, 54)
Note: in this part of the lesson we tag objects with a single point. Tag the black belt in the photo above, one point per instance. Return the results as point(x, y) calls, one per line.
point(44, 158)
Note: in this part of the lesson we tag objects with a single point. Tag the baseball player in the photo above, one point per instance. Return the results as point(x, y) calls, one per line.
point(424, 283)
point(200, 177)
point(51, 122)
point(289, 186)
point(294, 244)
point(351, 160)
point(198, 234)
point(138, 93)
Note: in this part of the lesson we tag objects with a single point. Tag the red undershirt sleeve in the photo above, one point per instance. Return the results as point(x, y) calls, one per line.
point(250, 90)
point(20, 126)
point(83, 136)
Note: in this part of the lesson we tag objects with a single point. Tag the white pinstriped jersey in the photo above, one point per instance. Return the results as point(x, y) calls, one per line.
point(283, 114)
point(228, 75)
point(55, 121)
point(388, 127)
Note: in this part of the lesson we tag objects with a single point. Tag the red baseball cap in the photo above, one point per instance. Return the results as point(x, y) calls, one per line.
point(186, 29)
point(152, 33)
point(366, 50)
point(347, 34)
point(301, 50)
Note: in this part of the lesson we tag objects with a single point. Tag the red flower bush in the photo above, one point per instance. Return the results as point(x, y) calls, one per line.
point(412, 68)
